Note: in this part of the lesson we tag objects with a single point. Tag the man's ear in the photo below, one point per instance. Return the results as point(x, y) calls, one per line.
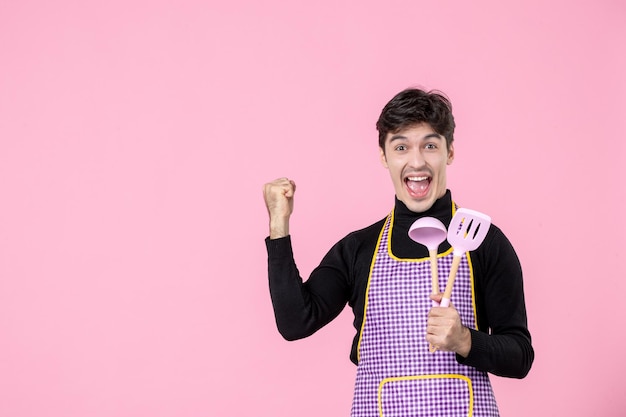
point(450, 154)
point(383, 158)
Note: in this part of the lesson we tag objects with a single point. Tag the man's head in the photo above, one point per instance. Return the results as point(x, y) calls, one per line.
point(416, 131)
point(414, 106)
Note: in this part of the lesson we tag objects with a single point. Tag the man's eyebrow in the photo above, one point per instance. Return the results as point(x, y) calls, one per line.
point(429, 136)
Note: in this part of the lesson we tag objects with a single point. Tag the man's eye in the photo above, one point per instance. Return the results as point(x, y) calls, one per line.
point(431, 146)
point(400, 148)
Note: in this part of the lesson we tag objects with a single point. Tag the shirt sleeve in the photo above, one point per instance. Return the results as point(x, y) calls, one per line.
point(502, 344)
point(303, 307)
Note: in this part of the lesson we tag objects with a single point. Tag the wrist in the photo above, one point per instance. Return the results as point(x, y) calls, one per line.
point(465, 343)
point(279, 228)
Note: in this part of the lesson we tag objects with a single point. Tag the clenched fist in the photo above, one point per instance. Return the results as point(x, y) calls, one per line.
point(445, 331)
point(278, 196)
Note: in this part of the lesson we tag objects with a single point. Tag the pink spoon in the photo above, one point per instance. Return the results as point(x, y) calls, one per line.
point(429, 232)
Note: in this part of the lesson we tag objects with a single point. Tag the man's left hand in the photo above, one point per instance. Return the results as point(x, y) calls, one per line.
point(445, 331)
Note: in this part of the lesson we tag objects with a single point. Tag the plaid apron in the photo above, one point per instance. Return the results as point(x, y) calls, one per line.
point(397, 376)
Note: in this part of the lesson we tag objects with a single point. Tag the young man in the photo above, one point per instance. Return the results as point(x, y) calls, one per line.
point(385, 277)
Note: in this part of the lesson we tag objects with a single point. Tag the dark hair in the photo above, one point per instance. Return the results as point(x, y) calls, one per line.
point(413, 106)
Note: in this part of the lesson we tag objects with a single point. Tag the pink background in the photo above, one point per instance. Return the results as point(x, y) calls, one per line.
point(135, 138)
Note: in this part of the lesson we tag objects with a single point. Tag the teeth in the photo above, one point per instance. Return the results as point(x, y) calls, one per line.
point(417, 178)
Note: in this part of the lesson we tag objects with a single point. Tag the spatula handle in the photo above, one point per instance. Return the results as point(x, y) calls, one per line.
point(445, 301)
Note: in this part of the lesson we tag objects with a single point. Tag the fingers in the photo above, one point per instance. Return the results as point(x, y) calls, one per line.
point(290, 188)
point(443, 328)
point(437, 297)
point(281, 186)
point(278, 189)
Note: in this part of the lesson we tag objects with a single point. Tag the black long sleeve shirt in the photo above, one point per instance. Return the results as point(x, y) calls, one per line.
point(501, 345)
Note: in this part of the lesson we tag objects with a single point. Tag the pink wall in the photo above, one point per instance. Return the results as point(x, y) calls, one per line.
point(135, 138)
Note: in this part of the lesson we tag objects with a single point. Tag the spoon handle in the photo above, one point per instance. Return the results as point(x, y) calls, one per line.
point(434, 270)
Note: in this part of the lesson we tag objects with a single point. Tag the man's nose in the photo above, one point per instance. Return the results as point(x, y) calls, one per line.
point(416, 158)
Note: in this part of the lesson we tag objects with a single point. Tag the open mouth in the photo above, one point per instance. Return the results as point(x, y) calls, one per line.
point(418, 186)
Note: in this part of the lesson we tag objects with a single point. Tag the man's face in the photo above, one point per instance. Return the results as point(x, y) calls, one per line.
point(416, 158)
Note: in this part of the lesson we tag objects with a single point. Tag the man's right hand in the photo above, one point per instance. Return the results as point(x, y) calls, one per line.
point(278, 196)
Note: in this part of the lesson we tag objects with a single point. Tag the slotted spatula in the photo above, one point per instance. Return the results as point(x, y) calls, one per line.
point(466, 232)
